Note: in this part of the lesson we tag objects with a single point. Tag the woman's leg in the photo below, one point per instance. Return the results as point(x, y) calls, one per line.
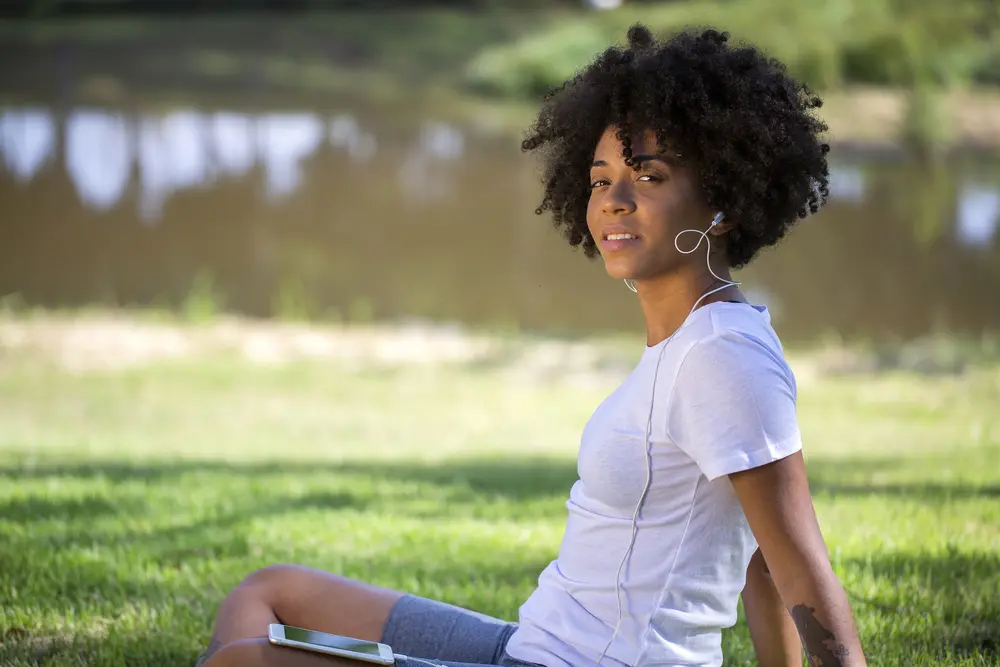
point(305, 598)
point(440, 632)
point(316, 600)
point(261, 653)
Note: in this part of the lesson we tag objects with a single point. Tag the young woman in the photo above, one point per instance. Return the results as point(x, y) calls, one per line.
point(676, 161)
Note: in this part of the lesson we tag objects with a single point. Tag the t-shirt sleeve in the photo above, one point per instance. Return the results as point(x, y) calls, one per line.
point(732, 407)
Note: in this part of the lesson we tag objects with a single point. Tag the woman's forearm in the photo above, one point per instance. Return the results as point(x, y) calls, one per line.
point(774, 635)
point(825, 623)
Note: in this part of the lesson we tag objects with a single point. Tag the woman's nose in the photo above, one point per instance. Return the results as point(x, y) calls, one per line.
point(618, 199)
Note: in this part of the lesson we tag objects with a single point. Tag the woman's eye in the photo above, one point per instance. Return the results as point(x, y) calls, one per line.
point(648, 178)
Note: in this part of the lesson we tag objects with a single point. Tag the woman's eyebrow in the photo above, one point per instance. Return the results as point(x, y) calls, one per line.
point(639, 159)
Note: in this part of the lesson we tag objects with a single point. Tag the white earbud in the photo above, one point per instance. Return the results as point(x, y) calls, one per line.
point(719, 217)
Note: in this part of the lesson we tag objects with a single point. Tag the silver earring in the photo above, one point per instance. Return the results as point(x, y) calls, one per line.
point(631, 285)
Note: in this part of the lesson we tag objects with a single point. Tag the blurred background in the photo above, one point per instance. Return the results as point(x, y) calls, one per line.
point(359, 161)
point(272, 289)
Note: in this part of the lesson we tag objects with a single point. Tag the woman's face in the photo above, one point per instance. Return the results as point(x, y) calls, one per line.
point(635, 215)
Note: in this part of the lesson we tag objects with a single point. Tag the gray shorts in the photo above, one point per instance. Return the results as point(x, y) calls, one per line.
point(435, 633)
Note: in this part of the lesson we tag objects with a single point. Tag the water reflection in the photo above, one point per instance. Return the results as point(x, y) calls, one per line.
point(28, 139)
point(847, 182)
point(346, 133)
point(283, 141)
point(99, 156)
point(420, 217)
point(186, 149)
point(978, 215)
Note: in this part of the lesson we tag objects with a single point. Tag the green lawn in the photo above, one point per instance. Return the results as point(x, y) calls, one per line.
point(132, 500)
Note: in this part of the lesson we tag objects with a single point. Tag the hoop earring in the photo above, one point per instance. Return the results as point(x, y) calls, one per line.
point(631, 285)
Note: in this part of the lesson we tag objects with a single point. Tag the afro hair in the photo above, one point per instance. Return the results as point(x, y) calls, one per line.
point(735, 116)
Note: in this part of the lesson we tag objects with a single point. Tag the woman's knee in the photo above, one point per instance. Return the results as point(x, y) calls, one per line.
point(271, 576)
point(315, 599)
point(261, 586)
point(280, 585)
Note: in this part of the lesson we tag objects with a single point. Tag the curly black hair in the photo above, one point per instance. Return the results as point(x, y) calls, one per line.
point(733, 114)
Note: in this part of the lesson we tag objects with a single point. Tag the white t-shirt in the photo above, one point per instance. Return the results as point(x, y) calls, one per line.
point(724, 402)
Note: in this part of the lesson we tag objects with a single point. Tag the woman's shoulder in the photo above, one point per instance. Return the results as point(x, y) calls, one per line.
point(728, 324)
point(731, 340)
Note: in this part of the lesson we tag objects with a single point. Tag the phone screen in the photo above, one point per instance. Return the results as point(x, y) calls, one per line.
point(331, 641)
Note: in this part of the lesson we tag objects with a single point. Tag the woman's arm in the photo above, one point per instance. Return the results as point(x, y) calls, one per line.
point(775, 638)
point(775, 498)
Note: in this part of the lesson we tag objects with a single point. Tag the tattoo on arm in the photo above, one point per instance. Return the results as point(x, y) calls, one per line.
point(820, 644)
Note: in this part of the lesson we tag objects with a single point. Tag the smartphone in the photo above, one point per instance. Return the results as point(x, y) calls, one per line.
point(321, 642)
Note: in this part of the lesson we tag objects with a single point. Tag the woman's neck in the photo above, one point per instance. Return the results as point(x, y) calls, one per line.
point(667, 301)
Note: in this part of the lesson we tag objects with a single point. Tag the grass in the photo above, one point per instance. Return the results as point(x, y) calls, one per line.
point(132, 499)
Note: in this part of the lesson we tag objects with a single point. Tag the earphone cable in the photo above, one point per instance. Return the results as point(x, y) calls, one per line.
point(649, 421)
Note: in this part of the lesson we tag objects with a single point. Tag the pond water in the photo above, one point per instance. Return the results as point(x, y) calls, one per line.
point(389, 213)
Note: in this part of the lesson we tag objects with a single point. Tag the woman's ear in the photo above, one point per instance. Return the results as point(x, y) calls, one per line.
point(720, 225)
point(722, 228)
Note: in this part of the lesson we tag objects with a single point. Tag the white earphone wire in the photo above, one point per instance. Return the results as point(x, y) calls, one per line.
point(649, 420)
